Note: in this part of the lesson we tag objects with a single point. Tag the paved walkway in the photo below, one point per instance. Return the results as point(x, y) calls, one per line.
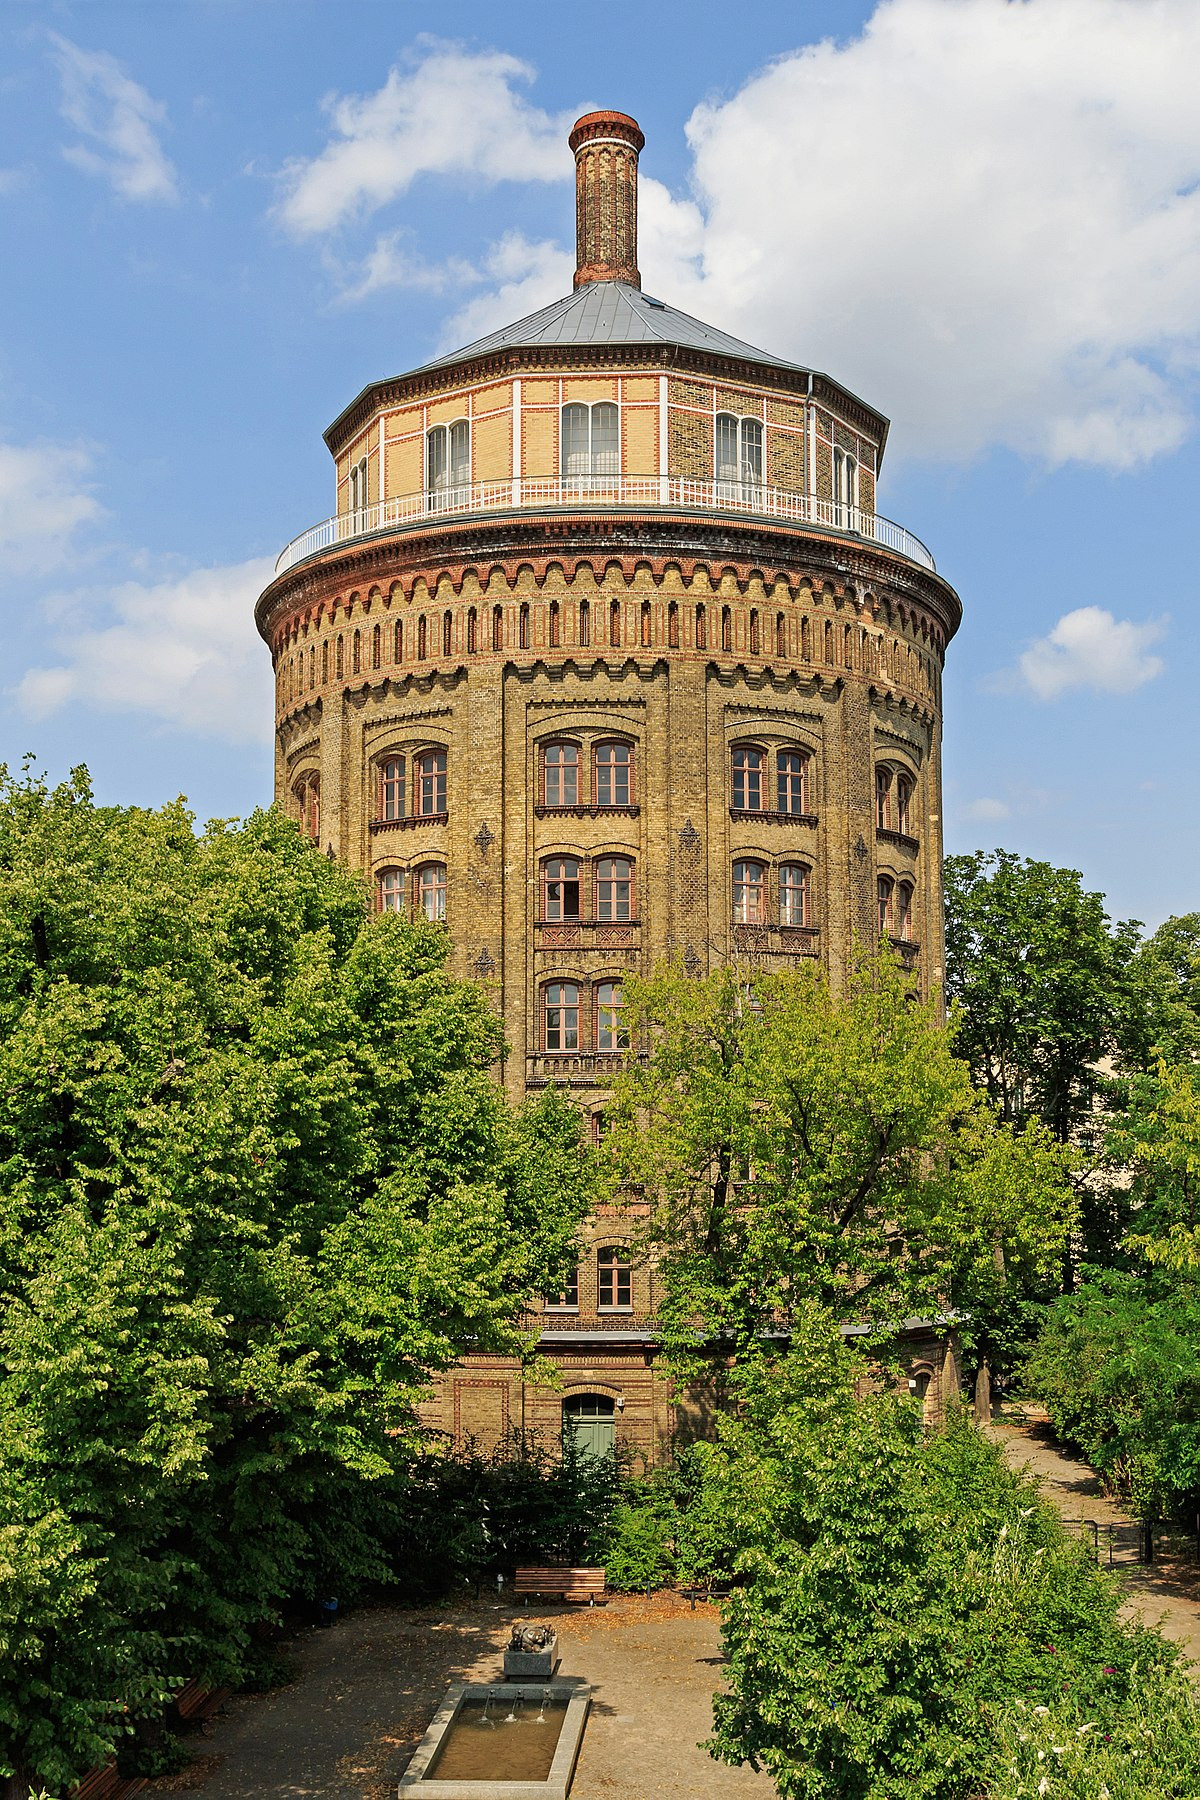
point(1166, 1595)
point(365, 1692)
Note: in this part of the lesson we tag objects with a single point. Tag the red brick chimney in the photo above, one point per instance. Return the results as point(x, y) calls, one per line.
point(606, 146)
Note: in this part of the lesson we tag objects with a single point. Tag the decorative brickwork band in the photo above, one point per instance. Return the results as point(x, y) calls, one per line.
point(606, 146)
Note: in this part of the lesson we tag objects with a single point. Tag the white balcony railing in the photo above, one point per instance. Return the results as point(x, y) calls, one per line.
point(605, 492)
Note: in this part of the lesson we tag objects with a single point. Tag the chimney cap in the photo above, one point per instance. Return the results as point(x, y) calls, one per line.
point(595, 125)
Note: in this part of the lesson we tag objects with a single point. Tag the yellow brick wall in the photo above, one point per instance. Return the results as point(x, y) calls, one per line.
point(493, 448)
point(539, 433)
point(640, 450)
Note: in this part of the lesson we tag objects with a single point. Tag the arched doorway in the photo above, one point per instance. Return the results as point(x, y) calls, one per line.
point(590, 1420)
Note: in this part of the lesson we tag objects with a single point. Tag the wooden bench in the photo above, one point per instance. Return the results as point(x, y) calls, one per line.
point(575, 1585)
point(194, 1701)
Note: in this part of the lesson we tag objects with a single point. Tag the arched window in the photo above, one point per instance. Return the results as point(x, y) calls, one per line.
point(398, 641)
point(560, 775)
point(391, 788)
point(447, 633)
point(341, 657)
point(308, 804)
point(904, 898)
point(739, 454)
point(754, 632)
point(749, 890)
point(391, 890)
point(585, 622)
point(472, 632)
point(793, 894)
point(612, 772)
point(560, 1016)
point(904, 788)
point(614, 888)
point(590, 440)
point(673, 625)
point(701, 628)
point(312, 665)
point(612, 1033)
point(356, 653)
point(358, 484)
point(748, 767)
point(422, 639)
point(646, 622)
point(885, 889)
point(614, 1279)
point(325, 661)
point(448, 463)
point(589, 1423)
point(554, 624)
point(726, 629)
point(429, 783)
point(497, 628)
point(791, 771)
point(614, 622)
point(523, 627)
point(560, 888)
point(883, 799)
point(431, 890)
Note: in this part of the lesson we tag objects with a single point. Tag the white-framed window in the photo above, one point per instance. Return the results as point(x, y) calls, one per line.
point(749, 892)
point(560, 1001)
point(447, 462)
point(358, 485)
point(739, 451)
point(845, 480)
point(392, 890)
point(431, 890)
point(612, 1033)
point(591, 439)
point(793, 894)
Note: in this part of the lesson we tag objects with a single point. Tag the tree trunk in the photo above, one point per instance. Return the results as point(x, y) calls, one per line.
point(983, 1394)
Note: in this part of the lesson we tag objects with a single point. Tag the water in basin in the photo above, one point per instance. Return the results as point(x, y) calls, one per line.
point(501, 1738)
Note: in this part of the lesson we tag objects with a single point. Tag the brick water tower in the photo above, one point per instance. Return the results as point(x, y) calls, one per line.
point(606, 655)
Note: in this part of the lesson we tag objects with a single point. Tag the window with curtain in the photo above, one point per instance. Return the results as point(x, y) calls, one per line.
point(591, 443)
point(749, 884)
point(448, 462)
point(391, 890)
point(739, 452)
point(793, 894)
point(431, 890)
point(429, 782)
point(391, 788)
point(791, 769)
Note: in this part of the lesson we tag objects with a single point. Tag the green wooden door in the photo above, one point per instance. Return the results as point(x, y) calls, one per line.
point(591, 1421)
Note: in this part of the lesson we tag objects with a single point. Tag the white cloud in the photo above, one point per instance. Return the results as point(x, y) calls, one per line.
point(120, 120)
point(982, 215)
point(1089, 648)
point(986, 811)
point(451, 112)
point(183, 650)
point(44, 498)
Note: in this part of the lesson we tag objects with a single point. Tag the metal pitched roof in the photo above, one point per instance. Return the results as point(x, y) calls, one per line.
point(611, 312)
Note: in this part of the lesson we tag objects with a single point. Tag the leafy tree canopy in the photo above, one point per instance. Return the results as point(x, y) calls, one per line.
point(1045, 986)
point(802, 1148)
point(256, 1183)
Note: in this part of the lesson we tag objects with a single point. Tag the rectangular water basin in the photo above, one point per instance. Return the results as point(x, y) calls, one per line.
point(511, 1740)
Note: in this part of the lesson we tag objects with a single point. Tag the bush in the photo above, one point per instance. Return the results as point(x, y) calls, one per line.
point(637, 1544)
point(1117, 1367)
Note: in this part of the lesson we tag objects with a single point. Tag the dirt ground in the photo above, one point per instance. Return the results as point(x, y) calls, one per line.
point(1167, 1594)
point(366, 1690)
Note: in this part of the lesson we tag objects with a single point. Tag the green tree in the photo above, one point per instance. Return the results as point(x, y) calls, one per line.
point(1044, 985)
point(257, 1184)
point(802, 1148)
point(903, 1603)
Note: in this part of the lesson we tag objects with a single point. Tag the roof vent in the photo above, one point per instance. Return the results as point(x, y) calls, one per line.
point(606, 146)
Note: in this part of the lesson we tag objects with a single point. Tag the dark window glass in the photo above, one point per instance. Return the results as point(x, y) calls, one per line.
point(429, 771)
point(560, 888)
point(748, 780)
point(612, 775)
point(614, 1279)
point(792, 771)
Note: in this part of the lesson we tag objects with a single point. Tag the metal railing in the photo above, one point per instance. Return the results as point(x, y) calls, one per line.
point(570, 492)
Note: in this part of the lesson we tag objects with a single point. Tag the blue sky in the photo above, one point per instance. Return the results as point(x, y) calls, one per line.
point(223, 217)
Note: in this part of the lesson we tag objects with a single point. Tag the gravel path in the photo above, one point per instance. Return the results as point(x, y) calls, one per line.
point(1166, 1595)
point(365, 1692)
